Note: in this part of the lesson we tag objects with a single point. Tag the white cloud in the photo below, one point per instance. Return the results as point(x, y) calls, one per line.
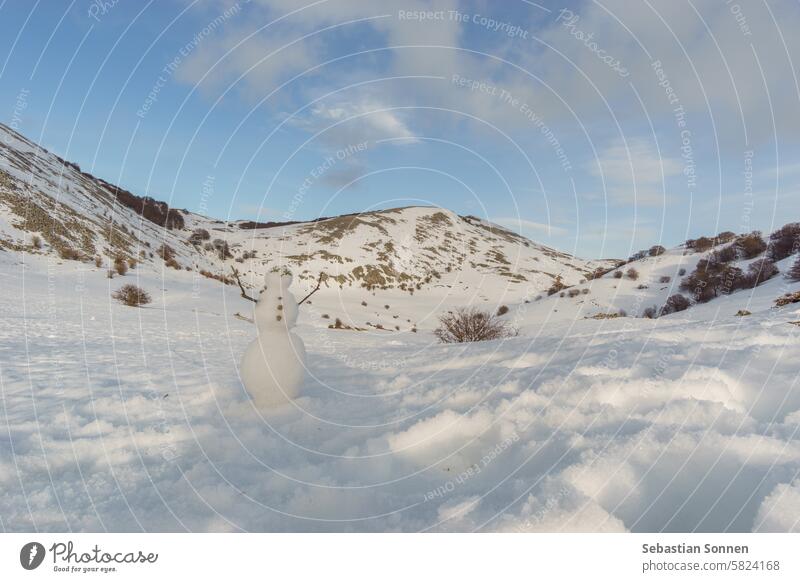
point(634, 172)
point(521, 225)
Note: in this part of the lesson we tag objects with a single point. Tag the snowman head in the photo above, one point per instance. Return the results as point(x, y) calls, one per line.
point(277, 306)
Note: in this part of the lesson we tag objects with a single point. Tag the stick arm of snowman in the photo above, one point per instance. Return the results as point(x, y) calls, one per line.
point(319, 282)
point(244, 293)
point(246, 296)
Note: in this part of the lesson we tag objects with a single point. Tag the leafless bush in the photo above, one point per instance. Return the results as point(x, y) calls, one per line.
point(198, 236)
point(502, 310)
point(675, 303)
point(468, 324)
point(166, 252)
point(131, 295)
point(120, 266)
point(36, 241)
point(70, 254)
point(632, 274)
point(557, 286)
point(618, 274)
point(793, 274)
point(665, 279)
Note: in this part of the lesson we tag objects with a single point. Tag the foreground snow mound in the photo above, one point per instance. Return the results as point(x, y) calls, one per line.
point(684, 423)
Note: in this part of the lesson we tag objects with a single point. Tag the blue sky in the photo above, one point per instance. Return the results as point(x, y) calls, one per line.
point(595, 128)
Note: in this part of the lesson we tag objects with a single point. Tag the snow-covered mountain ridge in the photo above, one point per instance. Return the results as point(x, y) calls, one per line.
point(49, 206)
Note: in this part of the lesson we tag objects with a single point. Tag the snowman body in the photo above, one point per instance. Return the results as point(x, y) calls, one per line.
point(273, 365)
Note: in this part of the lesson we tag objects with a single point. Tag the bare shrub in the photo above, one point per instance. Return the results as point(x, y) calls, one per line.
point(650, 312)
point(468, 324)
point(166, 252)
point(36, 241)
point(502, 310)
point(632, 274)
point(220, 278)
point(787, 299)
point(700, 245)
point(573, 292)
point(665, 279)
point(618, 274)
point(675, 303)
point(120, 266)
point(656, 250)
point(131, 295)
point(793, 274)
point(98, 261)
point(785, 241)
point(725, 254)
point(725, 237)
point(557, 286)
point(198, 236)
point(70, 254)
point(750, 245)
point(760, 271)
point(222, 248)
point(681, 272)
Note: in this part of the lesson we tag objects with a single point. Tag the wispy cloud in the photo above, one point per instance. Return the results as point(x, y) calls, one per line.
point(522, 226)
point(634, 172)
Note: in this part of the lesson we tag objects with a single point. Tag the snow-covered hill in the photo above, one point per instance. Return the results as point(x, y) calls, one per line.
point(50, 207)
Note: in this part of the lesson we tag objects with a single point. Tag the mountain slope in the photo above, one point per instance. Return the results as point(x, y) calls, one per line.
point(49, 206)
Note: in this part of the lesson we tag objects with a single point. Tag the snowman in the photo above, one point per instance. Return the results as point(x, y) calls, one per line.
point(273, 364)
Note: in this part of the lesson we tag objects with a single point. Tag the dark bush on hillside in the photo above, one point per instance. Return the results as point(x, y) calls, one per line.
point(70, 254)
point(557, 286)
point(468, 324)
point(751, 245)
point(665, 279)
point(632, 274)
point(681, 272)
point(166, 252)
point(637, 256)
point(120, 266)
point(675, 303)
point(700, 245)
point(131, 295)
point(502, 310)
point(149, 208)
point(725, 237)
point(724, 255)
point(198, 236)
point(656, 250)
point(573, 292)
point(793, 274)
point(597, 273)
point(785, 241)
point(711, 279)
point(618, 274)
point(788, 299)
point(650, 312)
point(222, 249)
point(760, 271)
